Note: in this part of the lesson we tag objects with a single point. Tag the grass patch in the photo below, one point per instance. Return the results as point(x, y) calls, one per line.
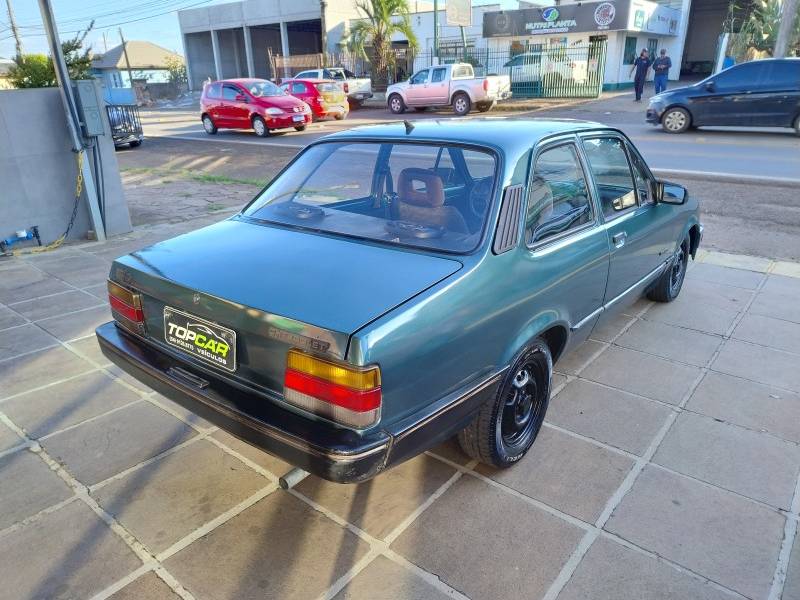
point(211, 178)
point(192, 175)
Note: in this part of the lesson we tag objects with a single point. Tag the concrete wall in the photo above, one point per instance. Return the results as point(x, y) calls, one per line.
point(38, 169)
point(199, 58)
point(264, 38)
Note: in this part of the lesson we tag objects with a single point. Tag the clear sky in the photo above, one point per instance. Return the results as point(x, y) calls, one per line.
point(152, 20)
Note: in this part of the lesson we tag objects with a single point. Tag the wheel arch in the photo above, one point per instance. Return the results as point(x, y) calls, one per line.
point(547, 326)
point(694, 239)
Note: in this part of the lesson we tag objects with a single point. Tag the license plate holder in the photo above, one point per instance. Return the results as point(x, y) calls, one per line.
point(202, 339)
point(298, 118)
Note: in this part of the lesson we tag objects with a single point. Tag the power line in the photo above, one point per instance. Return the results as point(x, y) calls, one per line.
point(136, 10)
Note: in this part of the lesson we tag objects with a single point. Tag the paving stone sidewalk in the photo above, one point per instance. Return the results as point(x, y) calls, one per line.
point(667, 468)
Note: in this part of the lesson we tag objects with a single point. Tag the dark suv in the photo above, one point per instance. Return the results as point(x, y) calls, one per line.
point(761, 93)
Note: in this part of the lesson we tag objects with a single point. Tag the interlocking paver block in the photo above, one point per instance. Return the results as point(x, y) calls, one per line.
point(169, 498)
point(608, 415)
point(24, 339)
point(24, 281)
point(577, 359)
point(69, 553)
point(265, 460)
point(90, 348)
point(607, 328)
point(487, 543)
point(567, 473)
point(68, 403)
point(53, 306)
point(82, 270)
point(384, 579)
point(9, 318)
point(112, 443)
point(694, 315)
point(76, 325)
point(752, 405)
point(777, 305)
point(760, 364)
point(27, 485)
point(750, 463)
point(725, 275)
point(379, 505)
point(610, 571)
point(791, 588)
point(758, 329)
point(8, 438)
point(715, 533)
point(642, 374)
point(38, 369)
point(667, 341)
point(278, 548)
point(147, 587)
point(780, 284)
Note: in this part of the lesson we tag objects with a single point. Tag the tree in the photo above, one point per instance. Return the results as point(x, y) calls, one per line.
point(759, 31)
point(36, 70)
point(176, 70)
point(383, 19)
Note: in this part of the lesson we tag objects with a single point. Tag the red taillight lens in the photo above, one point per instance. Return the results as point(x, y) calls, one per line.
point(338, 391)
point(485, 85)
point(125, 303)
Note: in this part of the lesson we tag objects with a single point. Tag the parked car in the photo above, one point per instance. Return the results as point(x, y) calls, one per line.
point(358, 89)
point(761, 93)
point(325, 98)
point(532, 67)
point(448, 85)
point(394, 286)
point(255, 104)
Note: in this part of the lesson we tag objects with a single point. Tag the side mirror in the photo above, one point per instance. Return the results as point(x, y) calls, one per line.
point(670, 193)
point(710, 86)
point(241, 98)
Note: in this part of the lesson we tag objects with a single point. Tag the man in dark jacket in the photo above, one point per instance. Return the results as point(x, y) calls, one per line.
point(661, 67)
point(641, 65)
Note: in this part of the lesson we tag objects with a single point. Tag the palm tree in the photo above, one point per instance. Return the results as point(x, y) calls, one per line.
point(383, 19)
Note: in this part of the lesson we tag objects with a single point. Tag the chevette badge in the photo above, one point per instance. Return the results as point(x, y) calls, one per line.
point(205, 340)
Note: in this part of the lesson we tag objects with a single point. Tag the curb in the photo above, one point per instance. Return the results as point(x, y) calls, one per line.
point(729, 177)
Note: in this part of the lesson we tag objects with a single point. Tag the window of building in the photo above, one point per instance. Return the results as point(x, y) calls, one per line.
point(629, 55)
point(612, 174)
point(559, 196)
point(652, 47)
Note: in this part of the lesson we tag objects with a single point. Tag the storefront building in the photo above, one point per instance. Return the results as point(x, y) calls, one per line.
point(622, 28)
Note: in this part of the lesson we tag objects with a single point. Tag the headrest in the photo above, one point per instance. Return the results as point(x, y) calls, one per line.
point(420, 187)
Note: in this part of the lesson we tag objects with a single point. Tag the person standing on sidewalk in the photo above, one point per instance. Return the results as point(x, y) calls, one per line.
point(661, 67)
point(641, 65)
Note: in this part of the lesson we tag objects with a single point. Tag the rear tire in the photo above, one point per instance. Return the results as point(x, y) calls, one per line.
point(676, 120)
point(208, 125)
point(300, 128)
point(485, 106)
point(507, 425)
point(669, 284)
point(396, 104)
point(461, 104)
point(338, 116)
point(135, 143)
point(260, 127)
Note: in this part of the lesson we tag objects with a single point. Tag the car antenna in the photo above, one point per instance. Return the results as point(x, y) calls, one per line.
point(409, 126)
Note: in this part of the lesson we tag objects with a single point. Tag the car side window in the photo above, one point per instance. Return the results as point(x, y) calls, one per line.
point(558, 199)
point(744, 76)
point(229, 92)
point(786, 74)
point(438, 75)
point(298, 87)
point(644, 186)
point(214, 90)
point(307, 75)
point(420, 77)
point(612, 174)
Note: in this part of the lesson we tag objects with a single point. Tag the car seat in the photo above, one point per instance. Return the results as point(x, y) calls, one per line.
point(421, 200)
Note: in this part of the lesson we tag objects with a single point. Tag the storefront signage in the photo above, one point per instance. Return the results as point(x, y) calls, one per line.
point(582, 17)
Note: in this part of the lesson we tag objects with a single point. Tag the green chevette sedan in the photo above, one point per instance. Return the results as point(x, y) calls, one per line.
point(398, 284)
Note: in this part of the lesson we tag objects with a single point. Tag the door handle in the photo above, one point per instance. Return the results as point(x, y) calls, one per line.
point(619, 239)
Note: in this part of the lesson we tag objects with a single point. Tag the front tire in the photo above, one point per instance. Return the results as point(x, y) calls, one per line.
point(396, 104)
point(461, 104)
point(507, 425)
point(300, 128)
point(208, 125)
point(669, 284)
point(260, 127)
point(676, 120)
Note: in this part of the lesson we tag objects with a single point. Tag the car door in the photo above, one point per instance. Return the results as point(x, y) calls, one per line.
point(776, 93)
point(234, 108)
point(213, 102)
point(417, 88)
point(439, 86)
point(637, 248)
point(567, 248)
point(727, 98)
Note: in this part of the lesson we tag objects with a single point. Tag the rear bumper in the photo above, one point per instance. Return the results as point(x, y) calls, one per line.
point(336, 454)
point(359, 96)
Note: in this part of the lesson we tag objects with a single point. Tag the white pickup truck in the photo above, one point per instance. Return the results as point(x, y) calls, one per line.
point(357, 89)
point(448, 85)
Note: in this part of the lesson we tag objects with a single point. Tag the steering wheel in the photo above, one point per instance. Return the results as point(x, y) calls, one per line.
point(480, 196)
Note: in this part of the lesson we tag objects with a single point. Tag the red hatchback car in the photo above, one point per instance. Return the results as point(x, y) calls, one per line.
point(255, 104)
point(325, 97)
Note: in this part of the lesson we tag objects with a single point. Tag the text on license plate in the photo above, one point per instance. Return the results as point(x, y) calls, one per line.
point(298, 118)
point(207, 341)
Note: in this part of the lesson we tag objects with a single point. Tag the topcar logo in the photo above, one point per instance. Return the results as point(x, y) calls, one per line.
point(550, 14)
point(206, 341)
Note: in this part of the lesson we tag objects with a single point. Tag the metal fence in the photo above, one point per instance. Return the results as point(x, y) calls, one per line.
point(535, 70)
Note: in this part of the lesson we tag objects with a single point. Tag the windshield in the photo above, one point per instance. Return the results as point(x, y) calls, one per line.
point(263, 88)
point(430, 196)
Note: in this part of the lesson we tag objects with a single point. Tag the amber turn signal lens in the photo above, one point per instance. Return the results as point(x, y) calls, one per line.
point(355, 378)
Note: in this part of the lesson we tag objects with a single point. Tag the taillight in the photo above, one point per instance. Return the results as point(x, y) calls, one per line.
point(485, 85)
point(126, 307)
point(343, 393)
point(346, 87)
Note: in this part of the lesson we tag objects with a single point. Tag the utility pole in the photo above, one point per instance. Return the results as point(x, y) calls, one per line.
point(789, 10)
point(323, 34)
point(14, 29)
point(125, 53)
point(73, 120)
point(105, 42)
point(436, 30)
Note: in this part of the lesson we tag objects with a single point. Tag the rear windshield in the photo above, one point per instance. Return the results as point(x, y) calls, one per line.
point(429, 196)
point(328, 87)
point(263, 88)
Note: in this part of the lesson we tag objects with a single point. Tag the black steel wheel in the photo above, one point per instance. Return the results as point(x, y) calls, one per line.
point(506, 426)
point(669, 284)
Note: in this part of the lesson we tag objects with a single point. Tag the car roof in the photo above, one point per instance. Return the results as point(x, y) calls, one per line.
point(309, 80)
point(511, 135)
point(243, 80)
